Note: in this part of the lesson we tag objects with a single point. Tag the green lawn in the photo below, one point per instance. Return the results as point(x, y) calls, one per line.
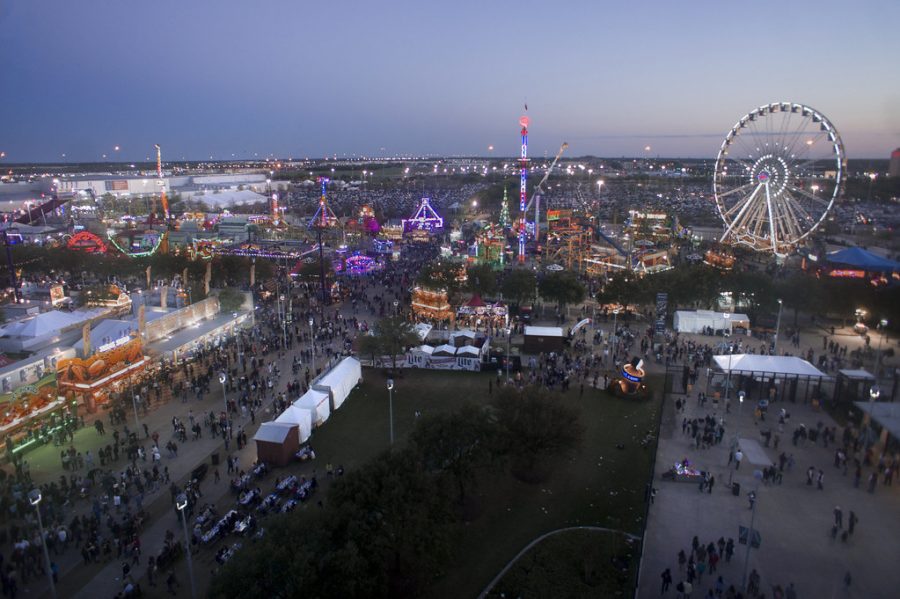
point(576, 563)
point(600, 486)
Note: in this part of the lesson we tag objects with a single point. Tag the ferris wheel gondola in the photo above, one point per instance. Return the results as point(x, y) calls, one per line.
point(778, 174)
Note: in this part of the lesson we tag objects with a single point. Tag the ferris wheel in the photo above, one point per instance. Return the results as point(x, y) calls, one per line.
point(778, 173)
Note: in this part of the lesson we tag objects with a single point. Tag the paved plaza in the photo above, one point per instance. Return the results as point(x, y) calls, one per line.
point(794, 519)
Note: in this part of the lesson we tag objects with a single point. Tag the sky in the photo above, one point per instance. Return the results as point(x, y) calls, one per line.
point(296, 78)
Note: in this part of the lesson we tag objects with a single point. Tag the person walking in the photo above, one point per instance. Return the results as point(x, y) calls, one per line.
point(666, 581)
point(738, 456)
point(851, 522)
point(838, 517)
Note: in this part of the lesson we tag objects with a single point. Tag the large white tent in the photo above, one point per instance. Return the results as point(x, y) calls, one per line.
point(318, 402)
point(766, 365)
point(695, 321)
point(340, 381)
point(302, 417)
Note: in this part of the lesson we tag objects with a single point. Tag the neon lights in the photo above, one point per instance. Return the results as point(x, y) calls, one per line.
point(142, 254)
point(425, 219)
point(85, 241)
point(523, 186)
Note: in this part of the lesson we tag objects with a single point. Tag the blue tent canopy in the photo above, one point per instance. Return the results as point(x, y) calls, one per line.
point(862, 259)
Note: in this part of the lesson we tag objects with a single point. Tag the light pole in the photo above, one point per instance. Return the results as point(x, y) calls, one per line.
point(390, 386)
point(181, 503)
point(615, 334)
point(508, 335)
point(882, 324)
point(725, 335)
point(396, 308)
point(283, 322)
point(312, 343)
point(777, 328)
point(137, 420)
point(222, 379)
point(34, 497)
point(758, 475)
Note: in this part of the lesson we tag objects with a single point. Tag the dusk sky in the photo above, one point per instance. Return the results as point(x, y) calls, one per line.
point(298, 78)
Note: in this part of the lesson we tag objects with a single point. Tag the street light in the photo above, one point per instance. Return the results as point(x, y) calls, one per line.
point(181, 503)
point(396, 307)
point(508, 335)
point(725, 335)
point(777, 328)
point(615, 334)
point(758, 475)
point(882, 324)
point(390, 386)
point(222, 379)
point(34, 497)
point(312, 343)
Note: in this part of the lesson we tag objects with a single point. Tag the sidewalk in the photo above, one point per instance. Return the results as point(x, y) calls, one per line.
point(793, 519)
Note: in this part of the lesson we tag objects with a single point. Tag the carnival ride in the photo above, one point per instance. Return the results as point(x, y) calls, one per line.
point(425, 219)
point(85, 241)
point(778, 174)
point(539, 191)
point(42, 209)
point(523, 186)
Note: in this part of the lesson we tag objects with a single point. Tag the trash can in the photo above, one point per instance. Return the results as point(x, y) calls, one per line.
point(215, 459)
point(736, 489)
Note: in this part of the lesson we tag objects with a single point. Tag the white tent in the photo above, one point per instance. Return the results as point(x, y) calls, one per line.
point(340, 381)
point(318, 402)
point(767, 365)
point(690, 321)
point(444, 350)
point(468, 350)
point(422, 330)
point(302, 417)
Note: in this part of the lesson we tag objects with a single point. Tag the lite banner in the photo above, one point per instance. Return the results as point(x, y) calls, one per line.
point(662, 306)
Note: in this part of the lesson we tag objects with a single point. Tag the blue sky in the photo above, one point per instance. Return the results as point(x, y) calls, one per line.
point(297, 78)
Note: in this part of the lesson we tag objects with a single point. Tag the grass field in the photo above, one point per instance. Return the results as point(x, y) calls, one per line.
point(600, 486)
point(559, 566)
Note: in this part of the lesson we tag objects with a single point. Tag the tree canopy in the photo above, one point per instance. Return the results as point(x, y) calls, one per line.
point(518, 284)
point(562, 287)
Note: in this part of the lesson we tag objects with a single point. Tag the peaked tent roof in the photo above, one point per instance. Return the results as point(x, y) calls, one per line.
point(767, 365)
point(273, 432)
point(476, 302)
point(861, 258)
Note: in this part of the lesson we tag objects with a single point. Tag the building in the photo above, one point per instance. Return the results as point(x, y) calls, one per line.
point(894, 170)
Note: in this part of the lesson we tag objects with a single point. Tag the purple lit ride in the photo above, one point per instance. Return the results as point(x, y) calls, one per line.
point(425, 219)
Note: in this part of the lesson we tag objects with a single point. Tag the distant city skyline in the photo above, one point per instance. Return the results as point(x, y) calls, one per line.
point(222, 79)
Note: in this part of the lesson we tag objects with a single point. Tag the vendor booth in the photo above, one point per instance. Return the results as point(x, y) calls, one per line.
point(318, 403)
point(302, 417)
point(543, 339)
point(340, 381)
point(276, 443)
point(707, 321)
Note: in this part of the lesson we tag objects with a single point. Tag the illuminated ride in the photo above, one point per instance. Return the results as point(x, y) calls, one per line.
point(523, 187)
point(777, 176)
point(84, 241)
point(425, 219)
point(137, 243)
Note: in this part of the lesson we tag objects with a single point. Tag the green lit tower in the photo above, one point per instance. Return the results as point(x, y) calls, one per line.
point(504, 211)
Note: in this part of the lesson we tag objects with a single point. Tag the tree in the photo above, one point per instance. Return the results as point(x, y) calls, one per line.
point(96, 295)
point(441, 275)
point(562, 287)
point(393, 336)
point(482, 280)
point(458, 443)
point(518, 284)
point(231, 300)
point(532, 424)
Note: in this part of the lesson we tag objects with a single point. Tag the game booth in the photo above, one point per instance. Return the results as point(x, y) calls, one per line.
point(92, 379)
point(34, 415)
